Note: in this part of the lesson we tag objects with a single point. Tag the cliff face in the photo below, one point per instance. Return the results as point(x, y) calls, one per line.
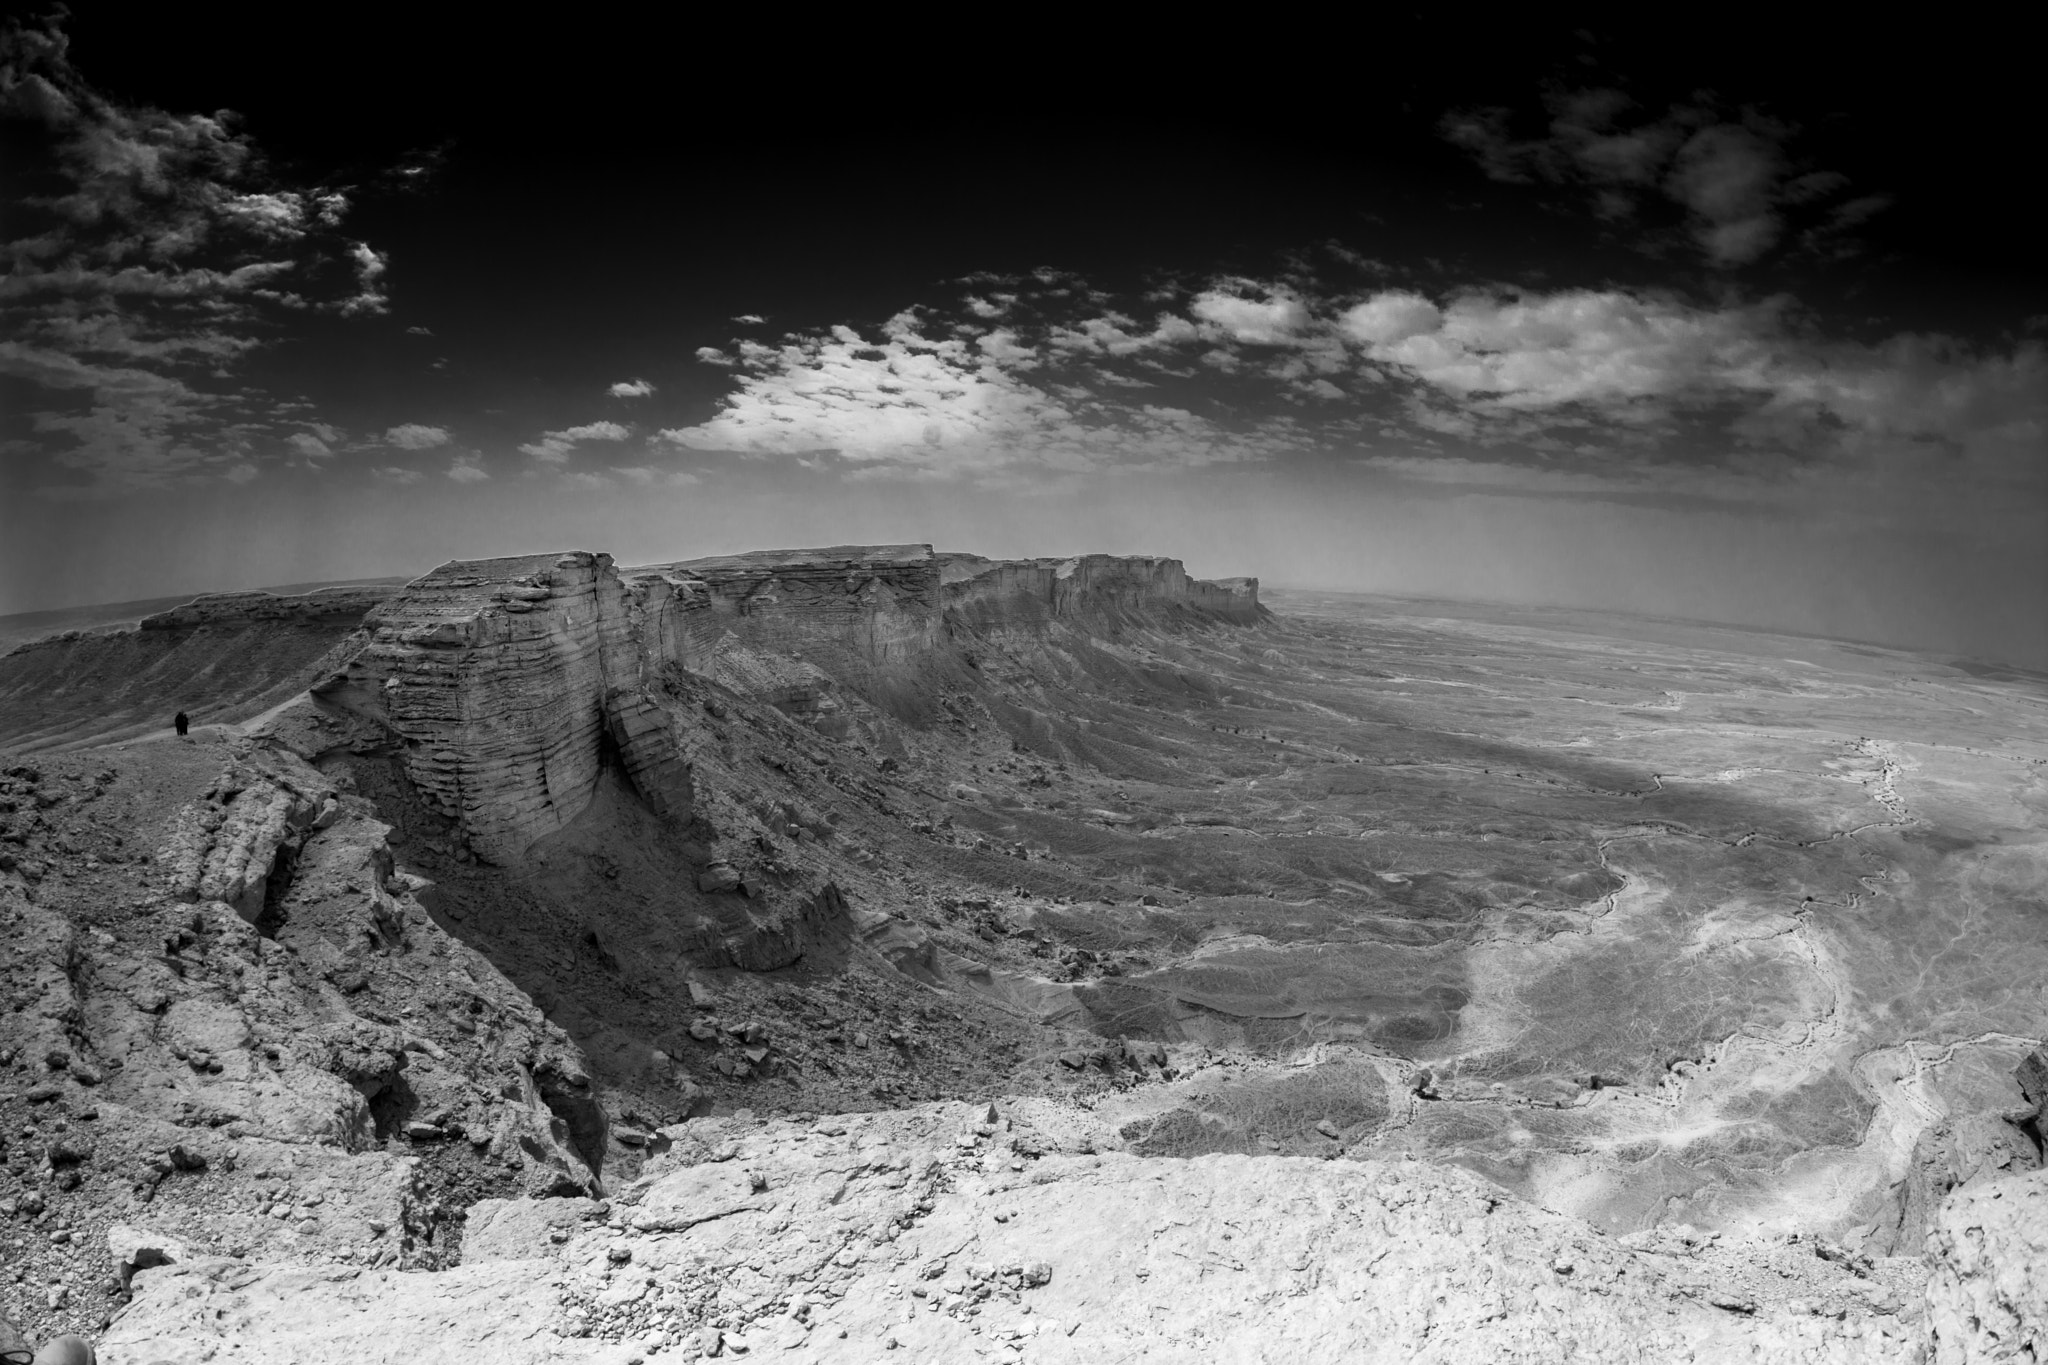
point(877, 604)
point(496, 674)
point(218, 658)
point(236, 609)
point(505, 679)
point(1090, 590)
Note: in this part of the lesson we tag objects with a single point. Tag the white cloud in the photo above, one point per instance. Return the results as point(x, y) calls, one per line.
point(394, 474)
point(946, 407)
point(161, 242)
point(554, 447)
point(750, 319)
point(1392, 316)
point(370, 266)
point(1569, 381)
point(1274, 320)
point(630, 388)
point(646, 476)
point(414, 436)
point(467, 468)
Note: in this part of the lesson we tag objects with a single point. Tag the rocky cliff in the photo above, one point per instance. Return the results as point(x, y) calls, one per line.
point(1588, 1030)
point(1101, 591)
point(505, 678)
point(495, 675)
point(219, 658)
point(231, 610)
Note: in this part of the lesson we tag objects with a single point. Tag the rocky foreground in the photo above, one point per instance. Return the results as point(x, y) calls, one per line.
point(996, 1232)
point(866, 951)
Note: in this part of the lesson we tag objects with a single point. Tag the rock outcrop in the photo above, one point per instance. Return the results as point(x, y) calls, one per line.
point(233, 610)
point(1988, 1296)
point(1099, 591)
point(494, 674)
point(504, 679)
point(949, 1231)
point(223, 657)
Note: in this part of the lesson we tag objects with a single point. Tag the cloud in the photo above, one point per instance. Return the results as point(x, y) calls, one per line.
point(1274, 320)
point(750, 319)
point(309, 446)
point(467, 468)
point(394, 474)
point(955, 405)
point(1733, 176)
point(151, 256)
point(370, 266)
point(1389, 317)
point(1599, 391)
point(630, 388)
point(646, 476)
point(413, 436)
point(554, 447)
point(1607, 371)
point(417, 331)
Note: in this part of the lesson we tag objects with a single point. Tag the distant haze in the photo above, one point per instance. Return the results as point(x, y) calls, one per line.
point(1926, 589)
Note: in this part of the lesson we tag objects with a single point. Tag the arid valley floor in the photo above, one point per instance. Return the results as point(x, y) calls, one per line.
point(866, 953)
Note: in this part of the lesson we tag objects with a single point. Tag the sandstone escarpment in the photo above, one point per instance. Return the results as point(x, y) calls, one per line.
point(223, 657)
point(494, 673)
point(505, 680)
point(998, 596)
point(874, 603)
point(234, 609)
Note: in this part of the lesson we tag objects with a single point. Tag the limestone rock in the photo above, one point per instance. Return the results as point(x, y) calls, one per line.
point(522, 1229)
point(225, 1309)
point(1988, 1296)
point(874, 1243)
point(136, 1249)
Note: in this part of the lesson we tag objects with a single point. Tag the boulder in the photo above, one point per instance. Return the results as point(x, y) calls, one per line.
point(134, 1249)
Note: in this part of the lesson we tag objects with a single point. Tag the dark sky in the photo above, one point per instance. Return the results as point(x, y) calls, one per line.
point(1725, 323)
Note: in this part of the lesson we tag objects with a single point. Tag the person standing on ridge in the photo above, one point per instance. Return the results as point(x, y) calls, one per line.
point(183, 722)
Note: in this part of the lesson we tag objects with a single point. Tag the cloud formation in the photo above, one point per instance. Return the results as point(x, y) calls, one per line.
point(413, 436)
point(554, 447)
point(1582, 389)
point(143, 275)
point(1733, 177)
point(630, 388)
point(914, 405)
point(467, 468)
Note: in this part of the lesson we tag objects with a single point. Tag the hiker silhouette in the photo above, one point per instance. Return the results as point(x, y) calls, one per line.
point(182, 721)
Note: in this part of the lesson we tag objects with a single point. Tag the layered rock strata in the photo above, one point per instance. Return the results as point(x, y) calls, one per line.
point(877, 603)
point(1013, 594)
point(235, 609)
point(505, 679)
point(495, 674)
point(218, 658)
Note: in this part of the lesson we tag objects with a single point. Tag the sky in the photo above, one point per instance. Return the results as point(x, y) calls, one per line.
point(1730, 328)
